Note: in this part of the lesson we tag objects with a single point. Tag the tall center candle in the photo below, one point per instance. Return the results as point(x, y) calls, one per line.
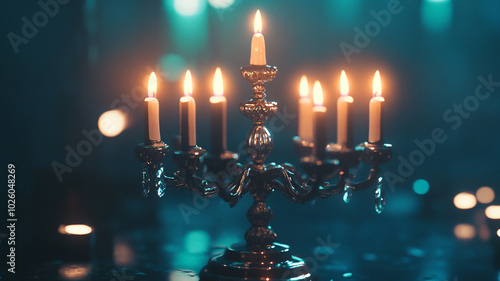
point(258, 46)
point(344, 113)
point(319, 117)
point(187, 112)
point(218, 108)
point(305, 111)
point(375, 134)
point(152, 112)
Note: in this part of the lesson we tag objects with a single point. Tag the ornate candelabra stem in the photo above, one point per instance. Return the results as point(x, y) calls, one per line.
point(259, 145)
point(260, 234)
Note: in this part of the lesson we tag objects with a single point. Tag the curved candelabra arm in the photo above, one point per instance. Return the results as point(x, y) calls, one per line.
point(374, 155)
point(372, 179)
point(340, 159)
point(221, 175)
point(232, 192)
point(152, 155)
point(196, 184)
point(288, 180)
point(328, 189)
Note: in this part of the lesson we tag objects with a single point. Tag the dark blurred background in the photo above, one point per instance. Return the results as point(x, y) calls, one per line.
point(65, 63)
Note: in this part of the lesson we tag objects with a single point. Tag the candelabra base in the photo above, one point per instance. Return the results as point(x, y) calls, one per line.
point(241, 262)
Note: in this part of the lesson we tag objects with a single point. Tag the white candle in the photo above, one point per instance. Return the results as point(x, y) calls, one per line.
point(375, 132)
point(218, 105)
point(187, 114)
point(305, 111)
point(258, 47)
point(344, 130)
point(153, 110)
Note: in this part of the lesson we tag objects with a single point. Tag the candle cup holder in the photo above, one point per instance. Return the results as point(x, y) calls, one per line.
point(261, 258)
point(222, 166)
point(189, 161)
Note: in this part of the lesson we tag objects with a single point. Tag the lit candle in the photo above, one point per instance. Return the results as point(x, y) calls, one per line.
point(152, 111)
point(375, 134)
point(218, 112)
point(187, 114)
point(258, 48)
point(319, 117)
point(305, 111)
point(344, 115)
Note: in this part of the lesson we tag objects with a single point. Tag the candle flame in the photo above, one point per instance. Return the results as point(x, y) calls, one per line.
point(344, 84)
point(304, 87)
point(257, 24)
point(377, 85)
point(317, 94)
point(152, 85)
point(218, 85)
point(188, 84)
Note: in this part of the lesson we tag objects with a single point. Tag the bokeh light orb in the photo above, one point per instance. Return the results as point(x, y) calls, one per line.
point(485, 195)
point(74, 271)
point(421, 186)
point(492, 212)
point(75, 229)
point(197, 242)
point(111, 123)
point(498, 232)
point(464, 231)
point(172, 66)
point(465, 200)
point(436, 15)
point(187, 7)
point(221, 4)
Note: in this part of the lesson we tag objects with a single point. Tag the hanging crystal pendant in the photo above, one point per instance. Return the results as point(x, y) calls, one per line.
point(347, 193)
point(145, 181)
point(379, 197)
point(159, 183)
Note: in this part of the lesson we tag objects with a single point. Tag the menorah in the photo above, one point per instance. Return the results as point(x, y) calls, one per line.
point(261, 258)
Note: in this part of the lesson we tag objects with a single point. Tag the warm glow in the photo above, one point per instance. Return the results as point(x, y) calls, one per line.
point(304, 87)
point(74, 271)
point(123, 255)
point(377, 85)
point(344, 84)
point(75, 229)
point(464, 231)
point(492, 212)
point(218, 86)
point(317, 94)
point(485, 195)
point(498, 232)
point(111, 123)
point(257, 24)
point(465, 200)
point(188, 84)
point(152, 85)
